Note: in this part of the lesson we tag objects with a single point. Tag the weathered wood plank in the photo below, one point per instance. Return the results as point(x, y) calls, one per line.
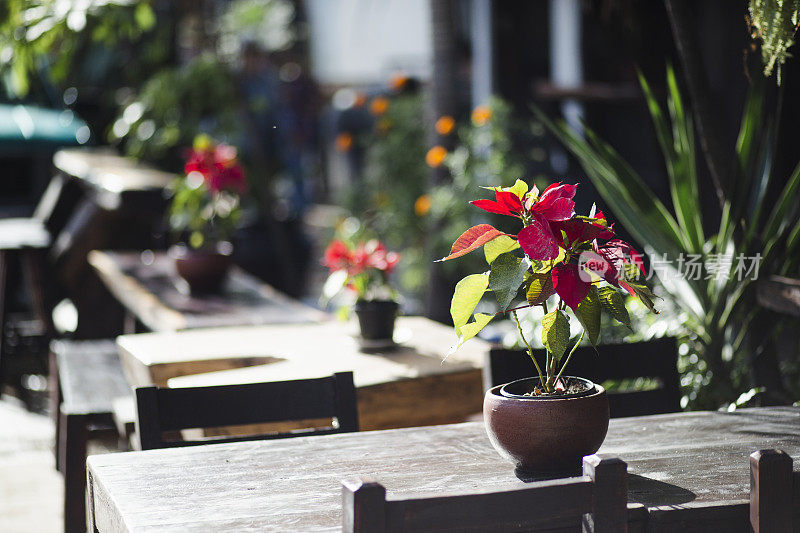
point(407, 386)
point(146, 285)
point(689, 468)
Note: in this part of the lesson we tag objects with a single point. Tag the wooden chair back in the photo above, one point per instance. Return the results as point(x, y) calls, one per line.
point(597, 501)
point(657, 359)
point(771, 482)
point(159, 410)
point(57, 203)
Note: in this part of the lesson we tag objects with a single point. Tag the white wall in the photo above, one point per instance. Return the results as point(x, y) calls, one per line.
point(364, 41)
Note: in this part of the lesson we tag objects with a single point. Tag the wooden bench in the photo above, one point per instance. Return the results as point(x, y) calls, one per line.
point(90, 378)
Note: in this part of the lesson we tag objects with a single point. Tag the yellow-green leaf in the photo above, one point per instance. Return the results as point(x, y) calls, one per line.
point(470, 330)
point(520, 188)
point(466, 297)
point(555, 332)
point(588, 312)
point(540, 288)
point(613, 304)
point(499, 245)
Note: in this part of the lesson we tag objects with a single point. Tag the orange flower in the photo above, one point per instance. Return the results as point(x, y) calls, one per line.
point(422, 205)
point(435, 156)
point(344, 141)
point(398, 81)
point(481, 115)
point(379, 106)
point(445, 125)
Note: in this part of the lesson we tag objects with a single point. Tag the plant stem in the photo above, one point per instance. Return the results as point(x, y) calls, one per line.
point(583, 331)
point(530, 351)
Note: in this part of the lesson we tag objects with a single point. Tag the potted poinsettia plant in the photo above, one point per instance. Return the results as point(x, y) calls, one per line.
point(562, 263)
point(204, 212)
point(363, 271)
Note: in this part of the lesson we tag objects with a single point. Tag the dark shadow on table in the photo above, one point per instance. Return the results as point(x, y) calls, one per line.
point(653, 493)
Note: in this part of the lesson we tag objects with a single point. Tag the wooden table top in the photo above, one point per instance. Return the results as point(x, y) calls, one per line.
point(295, 351)
point(105, 169)
point(677, 464)
point(147, 285)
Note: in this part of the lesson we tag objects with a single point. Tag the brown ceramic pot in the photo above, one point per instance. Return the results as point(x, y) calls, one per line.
point(205, 269)
point(546, 434)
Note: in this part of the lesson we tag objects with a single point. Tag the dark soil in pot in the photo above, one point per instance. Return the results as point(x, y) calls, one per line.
point(569, 387)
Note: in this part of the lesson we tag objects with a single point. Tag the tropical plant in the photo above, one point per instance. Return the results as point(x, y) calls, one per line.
point(205, 202)
point(754, 237)
point(563, 257)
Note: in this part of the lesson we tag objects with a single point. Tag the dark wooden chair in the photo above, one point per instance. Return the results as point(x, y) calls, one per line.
point(161, 410)
point(597, 502)
point(26, 243)
point(653, 359)
point(771, 482)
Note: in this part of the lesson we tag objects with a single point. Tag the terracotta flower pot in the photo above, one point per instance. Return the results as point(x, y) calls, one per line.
point(542, 435)
point(376, 319)
point(205, 269)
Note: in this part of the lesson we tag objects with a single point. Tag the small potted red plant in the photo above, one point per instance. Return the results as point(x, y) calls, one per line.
point(205, 210)
point(560, 262)
point(364, 272)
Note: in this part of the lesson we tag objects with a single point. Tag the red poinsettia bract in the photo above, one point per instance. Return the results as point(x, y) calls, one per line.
point(550, 224)
point(219, 166)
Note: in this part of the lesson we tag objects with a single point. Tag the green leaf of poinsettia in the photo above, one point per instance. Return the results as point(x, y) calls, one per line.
point(555, 332)
point(635, 280)
point(588, 312)
point(540, 288)
point(466, 297)
point(613, 304)
point(470, 330)
point(505, 277)
point(499, 245)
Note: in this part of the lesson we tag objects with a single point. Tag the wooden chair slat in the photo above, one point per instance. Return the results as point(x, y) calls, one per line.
point(160, 410)
point(597, 502)
point(654, 359)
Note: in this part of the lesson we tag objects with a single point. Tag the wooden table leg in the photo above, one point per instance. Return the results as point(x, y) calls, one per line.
point(54, 383)
point(74, 435)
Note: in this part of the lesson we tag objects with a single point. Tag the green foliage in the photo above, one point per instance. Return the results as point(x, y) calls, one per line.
point(588, 312)
point(555, 333)
point(50, 34)
point(611, 302)
point(715, 307)
point(267, 22)
point(385, 196)
point(774, 23)
point(175, 106)
point(466, 296)
point(505, 277)
point(207, 217)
